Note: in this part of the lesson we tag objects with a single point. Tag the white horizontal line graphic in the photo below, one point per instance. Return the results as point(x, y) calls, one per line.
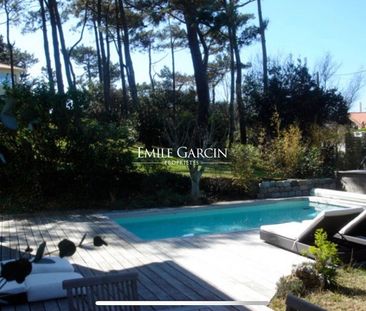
point(182, 303)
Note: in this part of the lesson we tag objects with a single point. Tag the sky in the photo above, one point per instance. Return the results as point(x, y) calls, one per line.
point(306, 29)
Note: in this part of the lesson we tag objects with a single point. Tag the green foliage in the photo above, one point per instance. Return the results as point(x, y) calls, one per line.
point(289, 156)
point(246, 159)
point(311, 277)
point(59, 148)
point(295, 94)
point(326, 257)
point(285, 152)
point(289, 284)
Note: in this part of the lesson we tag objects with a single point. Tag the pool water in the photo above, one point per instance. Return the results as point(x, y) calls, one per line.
point(229, 218)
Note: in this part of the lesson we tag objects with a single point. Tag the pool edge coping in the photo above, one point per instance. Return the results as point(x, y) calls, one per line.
point(217, 205)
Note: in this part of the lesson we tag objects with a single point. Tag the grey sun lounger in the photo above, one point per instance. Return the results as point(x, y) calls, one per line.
point(298, 236)
point(355, 230)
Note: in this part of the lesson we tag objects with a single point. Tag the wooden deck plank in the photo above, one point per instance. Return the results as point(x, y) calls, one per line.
point(158, 274)
point(146, 277)
point(191, 284)
point(198, 268)
point(196, 286)
point(110, 263)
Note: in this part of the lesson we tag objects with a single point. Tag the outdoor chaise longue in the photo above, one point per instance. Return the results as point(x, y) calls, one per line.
point(355, 231)
point(44, 282)
point(298, 236)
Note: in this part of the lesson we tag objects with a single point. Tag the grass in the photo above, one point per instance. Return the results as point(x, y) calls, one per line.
point(350, 293)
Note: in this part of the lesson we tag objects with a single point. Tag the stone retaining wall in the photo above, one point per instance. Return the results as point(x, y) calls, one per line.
point(293, 187)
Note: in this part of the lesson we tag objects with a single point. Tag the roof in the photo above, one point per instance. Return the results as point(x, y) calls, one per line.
point(359, 118)
point(5, 66)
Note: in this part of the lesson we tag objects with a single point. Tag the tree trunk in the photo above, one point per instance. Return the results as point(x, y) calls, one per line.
point(200, 72)
point(88, 68)
point(150, 69)
point(46, 47)
point(10, 46)
point(238, 86)
point(195, 174)
point(56, 48)
point(174, 99)
point(129, 64)
point(100, 70)
point(264, 48)
point(103, 55)
point(64, 51)
point(107, 76)
point(232, 75)
point(124, 105)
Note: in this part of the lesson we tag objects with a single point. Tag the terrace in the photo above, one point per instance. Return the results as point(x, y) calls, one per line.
point(235, 266)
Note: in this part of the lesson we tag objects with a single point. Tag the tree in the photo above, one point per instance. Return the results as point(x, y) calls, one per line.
point(56, 47)
point(171, 37)
point(12, 10)
point(46, 45)
point(127, 50)
point(124, 105)
point(262, 29)
point(238, 34)
point(296, 96)
point(65, 53)
point(144, 39)
point(86, 56)
point(21, 58)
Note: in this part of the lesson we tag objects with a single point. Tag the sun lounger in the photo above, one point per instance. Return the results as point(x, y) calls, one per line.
point(294, 303)
point(44, 282)
point(355, 231)
point(37, 287)
point(50, 264)
point(44, 286)
point(298, 236)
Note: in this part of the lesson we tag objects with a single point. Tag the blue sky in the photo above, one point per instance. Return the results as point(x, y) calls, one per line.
point(304, 28)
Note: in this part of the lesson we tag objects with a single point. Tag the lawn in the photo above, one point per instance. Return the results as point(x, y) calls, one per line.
point(350, 294)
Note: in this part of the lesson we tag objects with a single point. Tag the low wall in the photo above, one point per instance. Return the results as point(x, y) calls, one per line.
point(293, 187)
point(352, 181)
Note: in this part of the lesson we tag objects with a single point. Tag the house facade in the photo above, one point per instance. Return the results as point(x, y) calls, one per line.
point(5, 72)
point(358, 119)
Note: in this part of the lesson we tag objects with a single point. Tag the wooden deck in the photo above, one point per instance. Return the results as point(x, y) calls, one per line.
point(236, 266)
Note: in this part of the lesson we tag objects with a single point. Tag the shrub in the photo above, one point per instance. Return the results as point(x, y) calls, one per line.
point(289, 156)
point(284, 152)
point(246, 159)
point(59, 150)
point(224, 189)
point(310, 277)
point(310, 163)
point(326, 257)
point(289, 284)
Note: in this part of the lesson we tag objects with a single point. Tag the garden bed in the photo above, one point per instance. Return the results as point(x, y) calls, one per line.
point(350, 293)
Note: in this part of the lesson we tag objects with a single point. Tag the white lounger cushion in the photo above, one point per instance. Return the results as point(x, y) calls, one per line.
point(52, 264)
point(353, 223)
point(43, 286)
point(297, 230)
point(355, 239)
point(289, 230)
point(13, 288)
point(342, 195)
point(49, 265)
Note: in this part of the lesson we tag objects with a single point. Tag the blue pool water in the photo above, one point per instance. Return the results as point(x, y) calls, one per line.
point(229, 218)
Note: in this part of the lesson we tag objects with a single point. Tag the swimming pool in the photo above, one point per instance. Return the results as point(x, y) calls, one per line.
point(229, 218)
